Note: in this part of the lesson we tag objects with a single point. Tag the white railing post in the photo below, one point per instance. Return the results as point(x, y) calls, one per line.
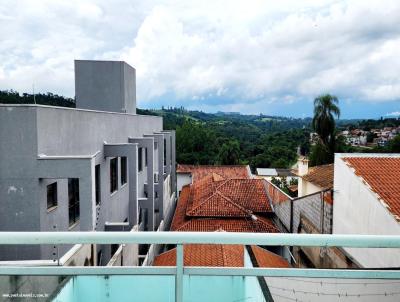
point(179, 274)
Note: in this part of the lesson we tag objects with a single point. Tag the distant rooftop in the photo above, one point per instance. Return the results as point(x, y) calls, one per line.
point(267, 172)
point(200, 171)
point(274, 172)
point(321, 176)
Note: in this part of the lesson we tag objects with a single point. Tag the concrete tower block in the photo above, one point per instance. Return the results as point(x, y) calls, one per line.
point(105, 86)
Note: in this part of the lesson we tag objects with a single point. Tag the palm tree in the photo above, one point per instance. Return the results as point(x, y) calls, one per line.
point(325, 108)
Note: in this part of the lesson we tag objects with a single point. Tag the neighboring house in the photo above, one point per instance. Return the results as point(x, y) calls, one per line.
point(214, 203)
point(313, 179)
point(367, 201)
point(227, 202)
point(99, 167)
point(187, 174)
point(269, 173)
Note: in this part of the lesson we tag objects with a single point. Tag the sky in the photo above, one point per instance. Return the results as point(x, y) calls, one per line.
point(271, 57)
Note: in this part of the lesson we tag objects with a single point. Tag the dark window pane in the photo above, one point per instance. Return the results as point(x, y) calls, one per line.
point(145, 157)
point(52, 195)
point(97, 184)
point(113, 175)
point(123, 170)
point(73, 200)
point(140, 159)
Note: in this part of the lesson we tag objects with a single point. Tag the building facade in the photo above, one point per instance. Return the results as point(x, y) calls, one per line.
point(367, 201)
point(75, 169)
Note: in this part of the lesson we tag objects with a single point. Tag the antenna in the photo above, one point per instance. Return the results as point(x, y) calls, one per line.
point(33, 91)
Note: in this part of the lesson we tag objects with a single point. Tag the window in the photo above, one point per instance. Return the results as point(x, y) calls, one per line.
point(113, 175)
point(145, 157)
point(123, 170)
point(140, 159)
point(97, 183)
point(52, 195)
point(99, 257)
point(114, 248)
point(165, 152)
point(73, 200)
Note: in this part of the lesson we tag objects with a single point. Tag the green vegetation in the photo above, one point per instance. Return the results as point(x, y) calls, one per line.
point(13, 97)
point(232, 138)
point(325, 110)
point(257, 140)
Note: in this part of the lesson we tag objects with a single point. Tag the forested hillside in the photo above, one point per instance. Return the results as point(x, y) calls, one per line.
point(229, 138)
point(13, 97)
point(232, 138)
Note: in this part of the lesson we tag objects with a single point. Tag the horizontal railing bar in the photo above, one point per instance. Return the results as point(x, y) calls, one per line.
point(87, 270)
point(268, 239)
point(288, 272)
point(201, 271)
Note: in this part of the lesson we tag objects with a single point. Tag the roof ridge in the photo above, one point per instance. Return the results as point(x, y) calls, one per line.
point(234, 203)
point(191, 212)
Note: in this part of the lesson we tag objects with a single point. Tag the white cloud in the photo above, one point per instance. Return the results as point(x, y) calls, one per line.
point(394, 113)
point(243, 54)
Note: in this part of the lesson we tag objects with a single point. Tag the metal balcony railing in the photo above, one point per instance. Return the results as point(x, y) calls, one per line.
point(181, 238)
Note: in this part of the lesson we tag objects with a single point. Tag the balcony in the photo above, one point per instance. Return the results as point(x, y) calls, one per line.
point(182, 283)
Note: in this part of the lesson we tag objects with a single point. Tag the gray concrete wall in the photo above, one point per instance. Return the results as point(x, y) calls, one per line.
point(105, 85)
point(41, 131)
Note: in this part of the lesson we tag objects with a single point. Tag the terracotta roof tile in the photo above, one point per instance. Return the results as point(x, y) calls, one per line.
point(200, 171)
point(266, 258)
point(215, 203)
point(218, 205)
point(232, 197)
point(179, 217)
point(216, 255)
point(382, 174)
point(322, 176)
point(246, 225)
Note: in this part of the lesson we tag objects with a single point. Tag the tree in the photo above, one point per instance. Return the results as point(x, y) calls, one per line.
point(394, 145)
point(325, 110)
point(229, 154)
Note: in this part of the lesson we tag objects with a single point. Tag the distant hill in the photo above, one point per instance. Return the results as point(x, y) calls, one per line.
point(50, 99)
point(225, 137)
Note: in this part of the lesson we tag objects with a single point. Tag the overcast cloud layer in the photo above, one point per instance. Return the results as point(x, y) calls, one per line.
point(248, 56)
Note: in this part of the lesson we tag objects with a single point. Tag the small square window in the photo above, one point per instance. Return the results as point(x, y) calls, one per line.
point(52, 195)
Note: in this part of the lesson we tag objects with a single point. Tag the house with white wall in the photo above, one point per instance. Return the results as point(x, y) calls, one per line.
point(367, 201)
point(313, 179)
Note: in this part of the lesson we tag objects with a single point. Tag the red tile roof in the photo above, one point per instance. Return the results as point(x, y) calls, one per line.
point(200, 171)
point(218, 255)
point(246, 225)
point(382, 174)
point(219, 212)
point(232, 197)
point(322, 176)
point(266, 258)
